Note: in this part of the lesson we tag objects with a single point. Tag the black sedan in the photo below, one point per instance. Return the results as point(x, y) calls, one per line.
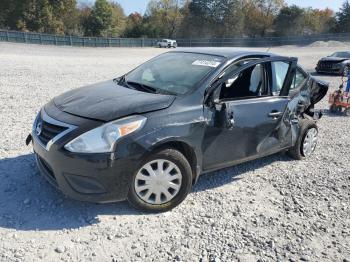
point(148, 135)
point(337, 63)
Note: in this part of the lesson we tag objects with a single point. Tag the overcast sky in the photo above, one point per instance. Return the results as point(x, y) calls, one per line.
point(131, 6)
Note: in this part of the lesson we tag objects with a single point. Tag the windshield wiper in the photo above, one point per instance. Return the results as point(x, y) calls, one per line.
point(152, 89)
point(119, 80)
point(122, 81)
point(143, 87)
point(138, 86)
point(166, 92)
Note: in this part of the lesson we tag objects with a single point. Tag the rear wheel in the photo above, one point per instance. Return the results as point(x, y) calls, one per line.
point(162, 182)
point(307, 140)
point(333, 109)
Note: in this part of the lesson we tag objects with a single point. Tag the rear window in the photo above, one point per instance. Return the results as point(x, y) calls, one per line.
point(175, 72)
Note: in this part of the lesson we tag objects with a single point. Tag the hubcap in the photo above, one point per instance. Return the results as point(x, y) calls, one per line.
point(310, 142)
point(158, 182)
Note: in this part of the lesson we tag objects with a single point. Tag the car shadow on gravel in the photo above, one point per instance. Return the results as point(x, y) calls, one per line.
point(29, 202)
point(328, 113)
point(228, 175)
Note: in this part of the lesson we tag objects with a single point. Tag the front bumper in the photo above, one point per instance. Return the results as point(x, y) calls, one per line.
point(336, 71)
point(98, 178)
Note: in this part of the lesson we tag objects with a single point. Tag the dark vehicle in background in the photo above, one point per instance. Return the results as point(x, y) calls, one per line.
point(148, 135)
point(337, 63)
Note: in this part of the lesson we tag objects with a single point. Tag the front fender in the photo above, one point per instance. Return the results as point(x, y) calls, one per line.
point(190, 134)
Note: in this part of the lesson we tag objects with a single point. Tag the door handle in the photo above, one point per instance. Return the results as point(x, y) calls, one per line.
point(275, 114)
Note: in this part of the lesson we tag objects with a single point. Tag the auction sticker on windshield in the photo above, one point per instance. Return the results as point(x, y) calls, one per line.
point(206, 63)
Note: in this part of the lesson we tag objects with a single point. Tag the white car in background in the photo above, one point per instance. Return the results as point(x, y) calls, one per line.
point(167, 43)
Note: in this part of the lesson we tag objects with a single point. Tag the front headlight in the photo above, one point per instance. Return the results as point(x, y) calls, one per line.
point(103, 138)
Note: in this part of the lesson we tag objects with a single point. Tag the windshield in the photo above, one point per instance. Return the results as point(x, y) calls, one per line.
point(173, 73)
point(341, 54)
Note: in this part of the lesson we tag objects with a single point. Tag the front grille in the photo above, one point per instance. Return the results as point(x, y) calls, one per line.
point(49, 131)
point(324, 65)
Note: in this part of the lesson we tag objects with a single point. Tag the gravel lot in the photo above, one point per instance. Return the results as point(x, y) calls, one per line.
point(273, 209)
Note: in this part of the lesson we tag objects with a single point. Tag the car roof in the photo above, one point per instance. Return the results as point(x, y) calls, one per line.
point(228, 53)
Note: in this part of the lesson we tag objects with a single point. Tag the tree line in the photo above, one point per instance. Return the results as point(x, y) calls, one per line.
point(173, 18)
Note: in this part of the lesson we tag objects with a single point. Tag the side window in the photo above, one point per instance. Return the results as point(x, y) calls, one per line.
point(279, 74)
point(246, 84)
point(298, 80)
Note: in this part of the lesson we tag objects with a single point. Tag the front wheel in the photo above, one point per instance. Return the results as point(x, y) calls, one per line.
point(307, 140)
point(346, 71)
point(162, 182)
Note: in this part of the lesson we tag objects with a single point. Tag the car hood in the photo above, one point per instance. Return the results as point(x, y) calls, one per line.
point(108, 101)
point(334, 59)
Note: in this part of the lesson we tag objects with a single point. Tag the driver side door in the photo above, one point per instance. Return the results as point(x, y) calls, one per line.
point(247, 120)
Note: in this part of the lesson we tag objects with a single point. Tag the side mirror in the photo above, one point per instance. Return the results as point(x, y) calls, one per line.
point(212, 99)
point(215, 98)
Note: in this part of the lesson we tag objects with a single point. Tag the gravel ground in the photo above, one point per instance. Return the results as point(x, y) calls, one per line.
point(273, 209)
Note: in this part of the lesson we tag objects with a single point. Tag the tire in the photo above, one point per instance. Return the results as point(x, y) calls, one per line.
point(347, 112)
point(333, 109)
point(346, 71)
point(161, 195)
point(299, 152)
point(160, 46)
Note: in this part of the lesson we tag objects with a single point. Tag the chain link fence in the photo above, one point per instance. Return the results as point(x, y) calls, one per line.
point(47, 39)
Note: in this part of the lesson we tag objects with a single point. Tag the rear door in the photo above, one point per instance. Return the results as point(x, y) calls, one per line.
point(248, 120)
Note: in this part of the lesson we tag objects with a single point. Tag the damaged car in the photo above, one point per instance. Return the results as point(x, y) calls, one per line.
point(147, 136)
point(337, 63)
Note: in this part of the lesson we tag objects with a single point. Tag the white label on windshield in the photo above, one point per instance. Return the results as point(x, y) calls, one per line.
point(206, 63)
